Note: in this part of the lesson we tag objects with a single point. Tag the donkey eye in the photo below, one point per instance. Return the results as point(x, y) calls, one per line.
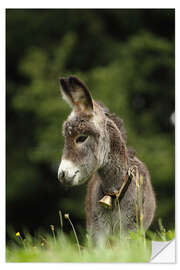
point(81, 138)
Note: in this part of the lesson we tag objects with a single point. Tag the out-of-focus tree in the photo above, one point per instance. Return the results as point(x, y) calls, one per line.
point(126, 59)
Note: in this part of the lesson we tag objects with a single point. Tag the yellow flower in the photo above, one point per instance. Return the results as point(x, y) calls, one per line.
point(18, 234)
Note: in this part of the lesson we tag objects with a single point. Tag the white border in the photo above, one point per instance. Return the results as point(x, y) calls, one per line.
point(2, 138)
point(90, 4)
point(78, 4)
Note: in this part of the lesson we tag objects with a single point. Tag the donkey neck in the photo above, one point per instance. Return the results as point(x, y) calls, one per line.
point(115, 168)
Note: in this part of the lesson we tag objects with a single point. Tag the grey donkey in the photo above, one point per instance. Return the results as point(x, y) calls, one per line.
point(95, 150)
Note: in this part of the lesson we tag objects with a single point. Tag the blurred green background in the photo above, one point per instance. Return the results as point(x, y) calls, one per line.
point(126, 57)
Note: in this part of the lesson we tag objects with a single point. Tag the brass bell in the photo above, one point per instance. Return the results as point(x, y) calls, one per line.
point(106, 202)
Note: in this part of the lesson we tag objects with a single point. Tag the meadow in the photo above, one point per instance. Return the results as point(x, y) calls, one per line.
point(57, 246)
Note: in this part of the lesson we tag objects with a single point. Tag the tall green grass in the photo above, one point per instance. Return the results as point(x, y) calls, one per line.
point(64, 249)
point(60, 247)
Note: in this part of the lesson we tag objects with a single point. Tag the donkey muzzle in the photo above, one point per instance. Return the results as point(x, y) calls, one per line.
point(67, 172)
point(65, 179)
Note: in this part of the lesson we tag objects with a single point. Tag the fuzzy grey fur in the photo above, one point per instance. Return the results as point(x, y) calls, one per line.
point(103, 159)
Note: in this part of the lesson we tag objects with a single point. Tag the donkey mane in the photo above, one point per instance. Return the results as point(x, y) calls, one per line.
point(120, 125)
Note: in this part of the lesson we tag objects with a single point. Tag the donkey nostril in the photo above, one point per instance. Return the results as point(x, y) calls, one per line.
point(62, 174)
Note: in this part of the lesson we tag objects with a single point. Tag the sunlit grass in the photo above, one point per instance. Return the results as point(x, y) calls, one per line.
point(60, 247)
point(64, 249)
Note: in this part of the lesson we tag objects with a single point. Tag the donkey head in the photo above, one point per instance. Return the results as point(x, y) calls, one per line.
point(86, 144)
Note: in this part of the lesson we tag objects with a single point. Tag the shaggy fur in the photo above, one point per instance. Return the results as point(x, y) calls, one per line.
point(104, 159)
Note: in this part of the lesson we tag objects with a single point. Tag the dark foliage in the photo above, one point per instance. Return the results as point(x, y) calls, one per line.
point(126, 57)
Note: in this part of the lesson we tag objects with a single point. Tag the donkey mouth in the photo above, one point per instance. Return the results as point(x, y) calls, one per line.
point(66, 180)
point(77, 178)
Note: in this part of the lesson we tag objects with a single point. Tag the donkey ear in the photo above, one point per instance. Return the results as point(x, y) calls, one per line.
point(65, 91)
point(76, 94)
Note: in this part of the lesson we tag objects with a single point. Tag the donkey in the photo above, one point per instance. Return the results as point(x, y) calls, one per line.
point(95, 150)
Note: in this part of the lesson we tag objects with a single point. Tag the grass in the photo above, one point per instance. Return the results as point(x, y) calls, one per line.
point(60, 247)
point(64, 249)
